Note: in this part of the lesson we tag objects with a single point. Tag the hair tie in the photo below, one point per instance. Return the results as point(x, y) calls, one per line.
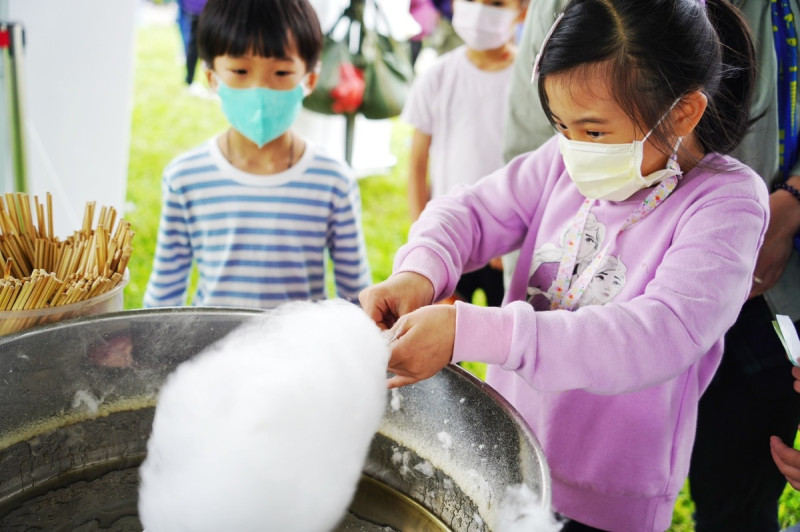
point(538, 59)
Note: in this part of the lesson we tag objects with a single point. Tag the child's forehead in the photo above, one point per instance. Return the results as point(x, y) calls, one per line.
point(255, 62)
point(589, 81)
point(581, 90)
point(256, 47)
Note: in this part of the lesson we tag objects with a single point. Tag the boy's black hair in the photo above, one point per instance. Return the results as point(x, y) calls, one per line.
point(262, 27)
point(656, 52)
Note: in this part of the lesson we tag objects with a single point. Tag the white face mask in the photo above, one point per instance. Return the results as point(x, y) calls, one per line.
point(483, 27)
point(611, 171)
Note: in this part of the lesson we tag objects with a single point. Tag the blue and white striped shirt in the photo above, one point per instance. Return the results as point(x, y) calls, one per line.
point(258, 240)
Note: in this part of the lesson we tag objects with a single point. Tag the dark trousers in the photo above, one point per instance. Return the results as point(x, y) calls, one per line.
point(488, 279)
point(191, 47)
point(732, 478)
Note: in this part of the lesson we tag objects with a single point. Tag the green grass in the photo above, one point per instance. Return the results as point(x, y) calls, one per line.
point(167, 122)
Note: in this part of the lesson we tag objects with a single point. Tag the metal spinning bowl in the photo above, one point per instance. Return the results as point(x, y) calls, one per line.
point(77, 401)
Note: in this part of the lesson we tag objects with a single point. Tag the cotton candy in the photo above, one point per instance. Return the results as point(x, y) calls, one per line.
point(269, 428)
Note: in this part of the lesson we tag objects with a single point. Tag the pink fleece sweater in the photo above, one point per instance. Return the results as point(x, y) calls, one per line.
point(610, 389)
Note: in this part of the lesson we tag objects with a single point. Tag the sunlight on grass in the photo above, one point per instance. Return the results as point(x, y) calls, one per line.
point(167, 122)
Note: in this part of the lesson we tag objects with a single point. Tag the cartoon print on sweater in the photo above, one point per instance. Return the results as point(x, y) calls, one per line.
point(605, 284)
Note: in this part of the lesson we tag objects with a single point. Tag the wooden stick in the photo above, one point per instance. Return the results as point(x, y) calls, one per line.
point(37, 285)
point(102, 247)
point(58, 294)
point(5, 220)
point(7, 268)
point(112, 217)
point(42, 229)
point(12, 212)
point(25, 214)
point(49, 286)
point(19, 302)
point(5, 293)
point(88, 216)
point(49, 216)
point(16, 270)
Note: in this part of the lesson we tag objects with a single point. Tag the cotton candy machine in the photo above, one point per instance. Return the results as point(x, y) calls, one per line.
point(77, 400)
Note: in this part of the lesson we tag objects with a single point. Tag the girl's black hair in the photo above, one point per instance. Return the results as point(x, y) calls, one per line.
point(657, 51)
point(262, 27)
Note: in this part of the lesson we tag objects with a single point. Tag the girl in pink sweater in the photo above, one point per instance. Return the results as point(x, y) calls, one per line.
point(638, 239)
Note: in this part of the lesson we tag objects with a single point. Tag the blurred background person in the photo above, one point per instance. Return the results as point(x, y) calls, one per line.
point(188, 16)
point(457, 108)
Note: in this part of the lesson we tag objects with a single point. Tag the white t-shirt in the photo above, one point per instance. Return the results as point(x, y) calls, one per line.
point(463, 109)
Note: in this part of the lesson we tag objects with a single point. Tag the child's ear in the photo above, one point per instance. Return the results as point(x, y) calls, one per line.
point(689, 111)
point(312, 79)
point(211, 78)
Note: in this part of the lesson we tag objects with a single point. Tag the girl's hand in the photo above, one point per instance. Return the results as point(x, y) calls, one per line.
point(422, 345)
point(400, 294)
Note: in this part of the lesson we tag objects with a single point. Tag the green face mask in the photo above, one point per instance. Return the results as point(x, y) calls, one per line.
point(260, 114)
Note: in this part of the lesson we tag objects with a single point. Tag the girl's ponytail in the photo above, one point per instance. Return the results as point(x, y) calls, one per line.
point(728, 114)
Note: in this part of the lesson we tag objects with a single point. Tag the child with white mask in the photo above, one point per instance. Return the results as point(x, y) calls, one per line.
point(457, 108)
point(663, 230)
point(257, 208)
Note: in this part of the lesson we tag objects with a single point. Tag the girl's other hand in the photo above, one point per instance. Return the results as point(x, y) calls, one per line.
point(400, 294)
point(422, 345)
point(787, 459)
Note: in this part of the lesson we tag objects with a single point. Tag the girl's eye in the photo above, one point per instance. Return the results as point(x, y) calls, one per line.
point(283, 73)
point(239, 71)
point(595, 134)
point(560, 126)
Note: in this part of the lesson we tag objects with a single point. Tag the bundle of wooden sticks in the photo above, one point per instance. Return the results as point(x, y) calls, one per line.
point(39, 270)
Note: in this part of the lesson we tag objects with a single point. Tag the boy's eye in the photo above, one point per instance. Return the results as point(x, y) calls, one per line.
point(239, 71)
point(284, 73)
point(560, 126)
point(595, 134)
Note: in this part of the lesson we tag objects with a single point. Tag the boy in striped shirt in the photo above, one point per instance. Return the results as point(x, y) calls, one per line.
point(257, 207)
